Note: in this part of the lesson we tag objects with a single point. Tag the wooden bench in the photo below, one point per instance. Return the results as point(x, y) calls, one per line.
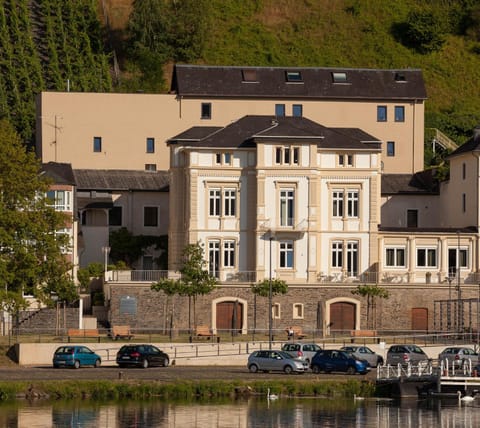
point(203, 331)
point(362, 334)
point(295, 332)
point(76, 333)
point(121, 332)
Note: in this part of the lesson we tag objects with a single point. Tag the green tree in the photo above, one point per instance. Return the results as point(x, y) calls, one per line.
point(195, 280)
point(371, 292)
point(31, 258)
point(425, 30)
point(262, 288)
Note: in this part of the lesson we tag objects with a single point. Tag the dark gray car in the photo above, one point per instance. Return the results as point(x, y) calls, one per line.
point(275, 361)
point(404, 354)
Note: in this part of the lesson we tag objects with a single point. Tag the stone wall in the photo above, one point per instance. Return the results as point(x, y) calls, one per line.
point(153, 309)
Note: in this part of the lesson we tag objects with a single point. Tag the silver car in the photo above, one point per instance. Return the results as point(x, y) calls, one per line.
point(305, 351)
point(404, 354)
point(364, 353)
point(458, 356)
point(266, 361)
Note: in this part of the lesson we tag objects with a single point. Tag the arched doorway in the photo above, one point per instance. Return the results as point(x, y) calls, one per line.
point(229, 315)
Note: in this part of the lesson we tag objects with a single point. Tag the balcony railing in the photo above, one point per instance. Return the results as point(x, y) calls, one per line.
point(137, 275)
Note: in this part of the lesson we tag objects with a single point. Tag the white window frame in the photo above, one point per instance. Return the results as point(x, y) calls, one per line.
point(229, 202)
point(298, 311)
point(337, 203)
point(427, 251)
point(286, 254)
point(276, 311)
point(61, 200)
point(228, 246)
point(396, 251)
point(287, 207)
point(287, 155)
point(337, 249)
point(214, 202)
point(353, 203)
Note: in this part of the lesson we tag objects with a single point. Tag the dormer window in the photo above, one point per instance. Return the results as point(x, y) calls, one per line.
point(400, 77)
point(339, 77)
point(249, 75)
point(294, 76)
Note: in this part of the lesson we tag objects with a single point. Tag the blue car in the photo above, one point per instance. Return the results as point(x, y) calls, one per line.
point(333, 360)
point(75, 356)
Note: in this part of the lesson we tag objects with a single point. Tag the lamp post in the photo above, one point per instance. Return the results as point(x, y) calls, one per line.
point(270, 297)
point(478, 319)
point(449, 306)
point(459, 291)
point(106, 252)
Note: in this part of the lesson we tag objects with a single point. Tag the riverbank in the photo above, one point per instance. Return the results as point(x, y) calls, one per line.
point(183, 389)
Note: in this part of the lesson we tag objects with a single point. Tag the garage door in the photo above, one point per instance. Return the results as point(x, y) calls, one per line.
point(420, 319)
point(342, 317)
point(229, 316)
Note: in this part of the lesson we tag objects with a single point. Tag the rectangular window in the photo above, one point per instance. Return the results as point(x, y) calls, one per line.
point(297, 310)
point(218, 158)
point(227, 158)
point(341, 160)
point(345, 160)
point(350, 160)
point(276, 311)
point(399, 114)
point(151, 167)
point(97, 144)
point(279, 110)
point(115, 216)
point(426, 257)
point(296, 153)
point(339, 77)
point(395, 257)
point(464, 202)
point(249, 75)
point(297, 110)
point(214, 258)
point(337, 254)
point(381, 113)
point(214, 202)
point(61, 200)
point(150, 145)
point(352, 258)
point(286, 254)
point(206, 111)
point(352, 203)
point(287, 155)
point(229, 254)
point(412, 218)
point(287, 199)
point(337, 198)
point(294, 76)
point(390, 148)
point(229, 197)
point(150, 216)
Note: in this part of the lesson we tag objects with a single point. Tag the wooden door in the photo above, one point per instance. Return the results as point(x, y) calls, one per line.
point(342, 317)
point(420, 319)
point(229, 316)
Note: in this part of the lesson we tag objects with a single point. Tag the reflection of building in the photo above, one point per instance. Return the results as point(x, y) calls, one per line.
point(328, 162)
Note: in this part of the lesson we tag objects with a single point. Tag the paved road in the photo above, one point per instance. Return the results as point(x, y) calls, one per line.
point(169, 374)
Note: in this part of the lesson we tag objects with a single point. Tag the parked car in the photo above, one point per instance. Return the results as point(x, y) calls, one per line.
point(275, 361)
point(305, 351)
point(75, 356)
point(458, 356)
point(142, 356)
point(336, 360)
point(364, 353)
point(403, 354)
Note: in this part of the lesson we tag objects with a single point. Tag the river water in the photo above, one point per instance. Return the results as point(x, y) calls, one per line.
point(253, 412)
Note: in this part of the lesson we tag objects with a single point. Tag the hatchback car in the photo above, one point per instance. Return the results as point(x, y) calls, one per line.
point(305, 351)
point(336, 360)
point(275, 361)
point(404, 354)
point(458, 356)
point(76, 357)
point(141, 356)
point(364, 353)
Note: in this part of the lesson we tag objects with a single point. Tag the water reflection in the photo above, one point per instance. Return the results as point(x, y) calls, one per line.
point(255, 412)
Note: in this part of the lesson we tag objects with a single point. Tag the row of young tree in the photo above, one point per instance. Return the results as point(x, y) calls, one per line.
point(195, 280)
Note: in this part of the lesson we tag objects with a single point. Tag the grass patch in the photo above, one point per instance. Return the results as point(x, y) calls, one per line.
point(190, 390)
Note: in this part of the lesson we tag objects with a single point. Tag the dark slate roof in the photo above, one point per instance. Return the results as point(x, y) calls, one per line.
point(423, 182)
point(59, 173)
point(473, 144)
point(113, 179)
point(316, 83)
point(246, 131)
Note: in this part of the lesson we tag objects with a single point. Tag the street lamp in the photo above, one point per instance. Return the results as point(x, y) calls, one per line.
point(459, 291)
point(106, 252)
point(270, 297)
point(449, 278)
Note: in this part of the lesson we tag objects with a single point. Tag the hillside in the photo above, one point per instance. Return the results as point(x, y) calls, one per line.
point(73, 44)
